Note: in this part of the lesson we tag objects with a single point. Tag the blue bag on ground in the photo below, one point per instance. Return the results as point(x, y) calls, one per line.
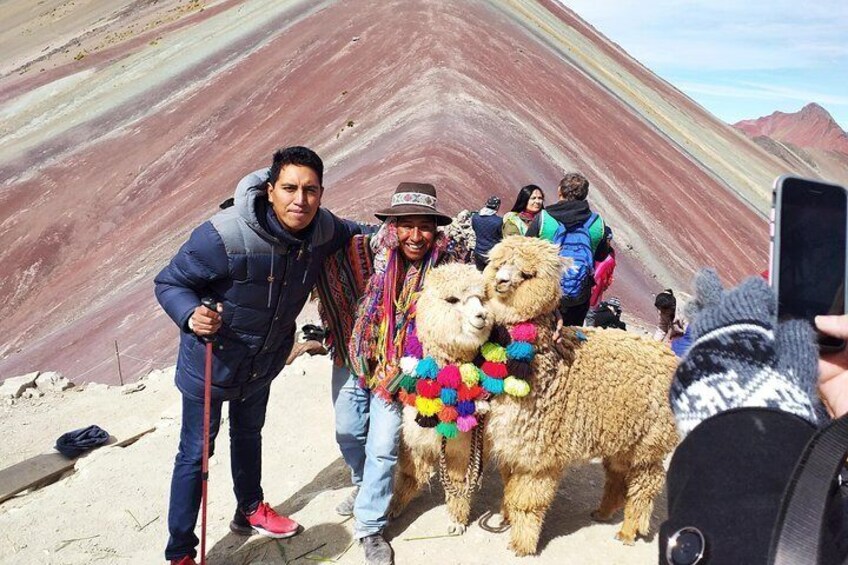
point(75, 443)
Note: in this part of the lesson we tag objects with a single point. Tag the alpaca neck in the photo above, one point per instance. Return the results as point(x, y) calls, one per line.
point(452, 356)
point(540, 321)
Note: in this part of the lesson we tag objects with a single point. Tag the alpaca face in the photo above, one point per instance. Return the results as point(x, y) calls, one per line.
point(451, 315)
point(523, 279)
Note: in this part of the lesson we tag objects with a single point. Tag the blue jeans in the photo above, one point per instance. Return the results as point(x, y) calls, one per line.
point(247, 416)
point(367, 431)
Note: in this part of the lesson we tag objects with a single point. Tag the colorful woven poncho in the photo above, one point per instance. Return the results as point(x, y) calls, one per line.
point(385, 321)
point(340, 286)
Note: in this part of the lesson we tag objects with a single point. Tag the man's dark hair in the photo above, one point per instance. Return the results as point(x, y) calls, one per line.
point(665, 300)
point(301, 156)
point(524, 194)
point(573, 186)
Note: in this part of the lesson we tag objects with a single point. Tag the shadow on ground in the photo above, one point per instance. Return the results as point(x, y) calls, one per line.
point(579, 493)
point(322, 540)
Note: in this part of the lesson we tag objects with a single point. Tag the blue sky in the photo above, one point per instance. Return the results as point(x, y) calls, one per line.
point(738, 59)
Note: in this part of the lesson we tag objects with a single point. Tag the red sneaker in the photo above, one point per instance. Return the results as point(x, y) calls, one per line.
point(184, 561)
point(265, 522)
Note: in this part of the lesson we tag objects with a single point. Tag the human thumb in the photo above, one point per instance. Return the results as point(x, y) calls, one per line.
point(836, 326)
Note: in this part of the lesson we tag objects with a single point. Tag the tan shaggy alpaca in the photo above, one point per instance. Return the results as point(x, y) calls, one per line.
point(454, 326)
point(603, 395)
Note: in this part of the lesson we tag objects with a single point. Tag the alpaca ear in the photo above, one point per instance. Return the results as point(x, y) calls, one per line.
point(565, 263)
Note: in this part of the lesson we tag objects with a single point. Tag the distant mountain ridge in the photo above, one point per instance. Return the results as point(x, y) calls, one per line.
point(812, 127)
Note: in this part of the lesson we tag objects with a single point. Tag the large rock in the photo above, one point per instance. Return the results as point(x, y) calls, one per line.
point(15, 386)
point(52, 381)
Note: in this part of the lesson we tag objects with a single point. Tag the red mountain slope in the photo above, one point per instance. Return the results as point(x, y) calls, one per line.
point(146, 115)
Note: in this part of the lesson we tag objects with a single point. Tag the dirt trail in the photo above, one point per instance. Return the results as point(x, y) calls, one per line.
point(113, 508)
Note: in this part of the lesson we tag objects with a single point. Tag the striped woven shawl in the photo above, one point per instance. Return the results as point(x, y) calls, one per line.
point(340, 286)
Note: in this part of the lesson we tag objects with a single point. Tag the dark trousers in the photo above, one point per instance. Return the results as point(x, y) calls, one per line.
point(574, 314)
point(247, 416)
point(480, 262)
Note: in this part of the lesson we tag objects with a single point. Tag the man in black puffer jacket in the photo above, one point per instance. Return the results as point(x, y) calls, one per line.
point(259, 260)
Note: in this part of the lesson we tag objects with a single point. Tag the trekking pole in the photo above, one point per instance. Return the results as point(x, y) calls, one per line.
point(207, 410)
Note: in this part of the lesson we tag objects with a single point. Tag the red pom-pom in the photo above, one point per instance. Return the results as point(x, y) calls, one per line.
point(470, 393)
point(448, 414)
point(428, 388)
point(449, 376)
point(409, 399)
point(495, 370)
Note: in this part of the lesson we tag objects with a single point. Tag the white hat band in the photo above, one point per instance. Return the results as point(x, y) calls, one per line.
point(418, 198)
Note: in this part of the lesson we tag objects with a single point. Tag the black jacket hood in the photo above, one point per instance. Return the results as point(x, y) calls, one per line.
point(574, 212)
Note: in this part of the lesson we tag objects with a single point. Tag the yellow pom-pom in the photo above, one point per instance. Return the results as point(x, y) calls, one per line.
point(493, 352)
point(470, 374)
point(428, 406)
point(516, 387)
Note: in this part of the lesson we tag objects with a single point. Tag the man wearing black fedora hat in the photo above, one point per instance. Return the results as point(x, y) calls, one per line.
point(368, 416)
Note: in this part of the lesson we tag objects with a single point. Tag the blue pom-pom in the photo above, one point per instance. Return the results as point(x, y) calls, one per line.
point(521, 351)
point(448, 396)
point(494, 386)
point(427, 368)
point(466, 407)
point(580, 335)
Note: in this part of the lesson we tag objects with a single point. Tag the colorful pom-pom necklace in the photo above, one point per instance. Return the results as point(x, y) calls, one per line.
point(507, 360)
point(451, 398)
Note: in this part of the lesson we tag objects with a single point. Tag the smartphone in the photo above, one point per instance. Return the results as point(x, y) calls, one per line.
point(808, 249)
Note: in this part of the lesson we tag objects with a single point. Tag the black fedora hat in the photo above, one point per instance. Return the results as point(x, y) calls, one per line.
point(414, 199)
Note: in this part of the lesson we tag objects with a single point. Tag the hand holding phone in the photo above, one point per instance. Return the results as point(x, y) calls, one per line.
point(808, 251)
point(833, 367)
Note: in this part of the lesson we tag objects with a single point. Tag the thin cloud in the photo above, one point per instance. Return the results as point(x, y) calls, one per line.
point(756, 91)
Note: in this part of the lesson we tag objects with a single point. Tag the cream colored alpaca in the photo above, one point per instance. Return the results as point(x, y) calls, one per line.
point(452, 328)
point(603, 396)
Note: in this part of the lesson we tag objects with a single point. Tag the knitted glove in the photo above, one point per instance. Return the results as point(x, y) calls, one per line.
point(738, 358)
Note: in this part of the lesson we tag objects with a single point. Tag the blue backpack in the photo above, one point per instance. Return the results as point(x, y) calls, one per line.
point(576, 244)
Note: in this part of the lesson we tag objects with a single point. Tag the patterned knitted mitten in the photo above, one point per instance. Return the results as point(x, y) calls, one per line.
point(738, 358)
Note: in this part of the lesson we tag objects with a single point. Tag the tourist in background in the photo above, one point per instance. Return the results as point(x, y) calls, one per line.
point(488, 231)
point(528, 204)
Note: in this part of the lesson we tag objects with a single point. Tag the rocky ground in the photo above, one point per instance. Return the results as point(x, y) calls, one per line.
point(113, 507)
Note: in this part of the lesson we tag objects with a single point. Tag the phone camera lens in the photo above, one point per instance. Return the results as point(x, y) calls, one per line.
point(685, 547)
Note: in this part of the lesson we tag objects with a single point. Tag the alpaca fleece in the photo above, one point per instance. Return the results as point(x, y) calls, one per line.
point(596, 393)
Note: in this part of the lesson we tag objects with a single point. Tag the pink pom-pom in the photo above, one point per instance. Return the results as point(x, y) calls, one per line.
point(450, 377)
point(466, 423)
point(524, 332)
